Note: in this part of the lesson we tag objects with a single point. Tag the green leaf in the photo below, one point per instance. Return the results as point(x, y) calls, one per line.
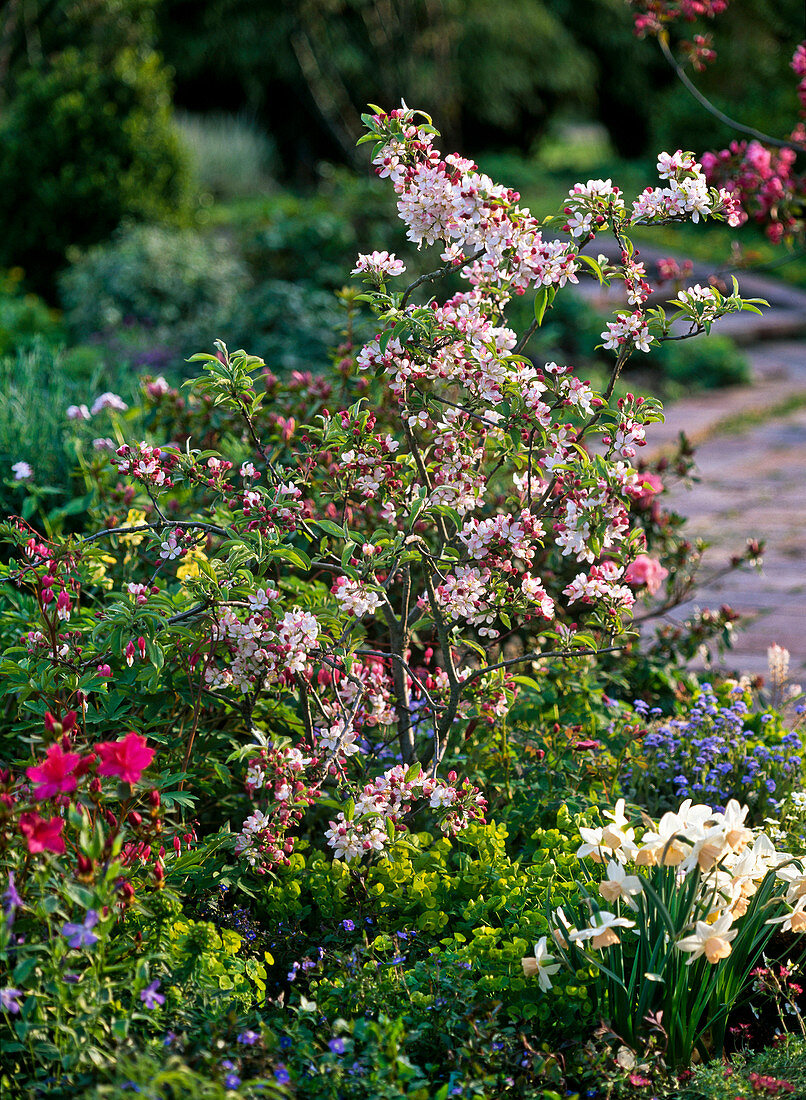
point(543, 299)
point(331, 528)
point(292, 554)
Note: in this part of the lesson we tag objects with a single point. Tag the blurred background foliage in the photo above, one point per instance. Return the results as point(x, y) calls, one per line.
point(172, 171)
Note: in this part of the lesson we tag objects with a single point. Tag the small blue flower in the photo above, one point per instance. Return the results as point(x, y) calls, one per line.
point(232, 1080)
point(348, 925)
point(281, 1074)
point(336, 1046)
point(80, 935)
point(249, 1038)
point(9, 999)
point(150, 997)
point(285, 1043)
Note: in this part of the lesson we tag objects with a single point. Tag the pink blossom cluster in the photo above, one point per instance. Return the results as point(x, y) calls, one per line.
point(687, 195)
point(378, 266)
point(381, 807)
point(600, 585)
point(147, 464)
point(653, 15)
point(267, 645)
point(447, 199)
point(763, 182)
point(279, 775)
point(646, 571)
point(628, 328)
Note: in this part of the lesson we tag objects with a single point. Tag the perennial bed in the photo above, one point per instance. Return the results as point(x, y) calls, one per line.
point(319, 734)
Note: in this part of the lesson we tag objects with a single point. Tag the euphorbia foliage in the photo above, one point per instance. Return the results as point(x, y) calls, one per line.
point(359, 591)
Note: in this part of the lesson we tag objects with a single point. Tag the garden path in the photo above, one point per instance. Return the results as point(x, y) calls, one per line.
point(751, 461)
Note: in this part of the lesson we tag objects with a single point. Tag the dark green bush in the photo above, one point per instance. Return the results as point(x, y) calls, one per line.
point(151, 292)
point(87, 140)
point(712, 363)
point(24, 317)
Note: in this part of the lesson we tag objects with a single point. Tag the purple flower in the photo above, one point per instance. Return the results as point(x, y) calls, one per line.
point(79, 935)
point(348, 925)
point(11, 899)
point(9, 999)
point(248, 1038)
point(150, 997)
point(281, 1074)
point(232, 1080)
point(336, 1046)
point(227, 1064)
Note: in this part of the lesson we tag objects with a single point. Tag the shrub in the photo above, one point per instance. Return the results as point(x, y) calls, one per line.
point(150, 291)
point(87, 141)
point(169, 282)
point(24, 317)
point(711, 364)
point(230, 157)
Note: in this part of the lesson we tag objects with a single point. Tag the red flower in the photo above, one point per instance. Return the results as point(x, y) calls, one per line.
point(54, 725)
point(54, 776)
point(127, 758)
point(42, 836)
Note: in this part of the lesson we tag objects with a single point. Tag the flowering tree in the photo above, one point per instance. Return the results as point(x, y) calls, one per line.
point(761, 173)
point(357, 592)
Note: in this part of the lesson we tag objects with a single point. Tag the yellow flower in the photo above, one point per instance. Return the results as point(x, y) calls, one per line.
point(189, 569)
point(135, 518)
point(98, 570)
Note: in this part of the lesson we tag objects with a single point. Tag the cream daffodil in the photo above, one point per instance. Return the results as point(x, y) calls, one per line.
point(794, 921)
point(619, 884)
point(601, 930)
point(711, 940)
point(542, 964)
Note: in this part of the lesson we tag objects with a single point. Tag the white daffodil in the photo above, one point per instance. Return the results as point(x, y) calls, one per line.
point(619, 884)
point(711, 940)
point(614, 839)
point(737, 835)
point(796, 878)
point(667, 845)
point(561, 934)
point(542, 964)
point(601, 929)
point(794, 921)
point(707, 848)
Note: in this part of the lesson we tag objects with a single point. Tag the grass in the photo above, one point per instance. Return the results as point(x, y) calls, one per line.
point(232, 158)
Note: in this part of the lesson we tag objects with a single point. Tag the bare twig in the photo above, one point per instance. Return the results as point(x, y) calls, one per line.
point(703, 100)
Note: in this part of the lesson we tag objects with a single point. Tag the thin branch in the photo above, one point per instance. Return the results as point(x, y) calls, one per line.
point(190, 524)
point(540, 656)
point(447, 269)
point(767, 139)
point(527, 336)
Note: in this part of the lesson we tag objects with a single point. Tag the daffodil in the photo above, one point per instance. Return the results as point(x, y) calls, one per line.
point(619, 884)
point(542, 964)
point(601, 929)
point(711, 940)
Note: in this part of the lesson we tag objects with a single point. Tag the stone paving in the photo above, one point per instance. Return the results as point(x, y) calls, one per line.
point(751, 461)
point(752, 485)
